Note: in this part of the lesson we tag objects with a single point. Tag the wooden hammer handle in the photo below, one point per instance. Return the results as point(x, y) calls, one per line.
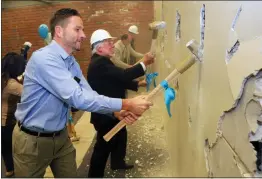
point(181, 68)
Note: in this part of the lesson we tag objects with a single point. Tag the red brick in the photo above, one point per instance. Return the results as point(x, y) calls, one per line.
point(21, 24)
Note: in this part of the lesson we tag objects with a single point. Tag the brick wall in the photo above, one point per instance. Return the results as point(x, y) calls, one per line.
point(20, 24)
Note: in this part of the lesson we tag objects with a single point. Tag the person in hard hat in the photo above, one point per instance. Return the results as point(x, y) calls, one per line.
point(53, 83)
point(123, 50)
point(108, 79)
point(133, 32)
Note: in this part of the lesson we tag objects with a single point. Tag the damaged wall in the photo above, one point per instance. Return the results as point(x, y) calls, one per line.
point(208, 133)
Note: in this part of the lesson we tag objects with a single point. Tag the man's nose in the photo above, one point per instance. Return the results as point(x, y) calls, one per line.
point(83, 36)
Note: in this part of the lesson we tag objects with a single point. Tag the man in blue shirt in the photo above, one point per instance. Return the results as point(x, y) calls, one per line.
point(50, 90)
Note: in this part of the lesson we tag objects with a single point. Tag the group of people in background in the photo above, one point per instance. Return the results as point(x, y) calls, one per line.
point(40, 98)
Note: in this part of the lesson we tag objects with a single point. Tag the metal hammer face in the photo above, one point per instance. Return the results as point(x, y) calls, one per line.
point(193, 46)
point(156, 25)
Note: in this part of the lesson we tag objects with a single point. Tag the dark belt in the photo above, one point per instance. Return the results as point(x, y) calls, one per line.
point(39, 134)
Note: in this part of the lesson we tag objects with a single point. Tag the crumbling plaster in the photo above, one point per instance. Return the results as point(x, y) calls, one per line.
point(211, 87)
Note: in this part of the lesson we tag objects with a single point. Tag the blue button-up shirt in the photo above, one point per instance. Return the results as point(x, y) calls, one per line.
point(50, 90)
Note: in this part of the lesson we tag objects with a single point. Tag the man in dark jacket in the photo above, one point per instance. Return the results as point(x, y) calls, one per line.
point(107, 79)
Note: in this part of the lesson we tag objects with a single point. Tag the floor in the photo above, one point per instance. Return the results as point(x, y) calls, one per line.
point(147, 147)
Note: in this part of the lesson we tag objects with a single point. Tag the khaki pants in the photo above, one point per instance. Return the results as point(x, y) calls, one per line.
point(33, 154)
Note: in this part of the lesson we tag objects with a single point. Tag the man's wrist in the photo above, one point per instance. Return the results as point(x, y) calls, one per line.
point(143, 65)
point(125, 104)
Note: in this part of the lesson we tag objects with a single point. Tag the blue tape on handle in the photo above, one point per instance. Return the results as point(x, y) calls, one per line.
point(149, 78)
point(170, 95)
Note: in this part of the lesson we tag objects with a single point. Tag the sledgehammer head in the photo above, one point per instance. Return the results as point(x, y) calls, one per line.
point(193, 46)
point(156, 25)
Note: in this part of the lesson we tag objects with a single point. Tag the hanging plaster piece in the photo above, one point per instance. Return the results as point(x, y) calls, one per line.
point(253, 112)
point(239, 67)
point(202, 32)
point(236, 18)
point(257, 135)
point(234, 126)
point(178, 20)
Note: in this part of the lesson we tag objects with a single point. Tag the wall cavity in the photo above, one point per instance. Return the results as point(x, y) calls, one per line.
point(178, 21)
point(202, 32)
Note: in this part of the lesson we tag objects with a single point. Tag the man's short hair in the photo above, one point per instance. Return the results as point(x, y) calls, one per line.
point(60, 18)
point(124, 37)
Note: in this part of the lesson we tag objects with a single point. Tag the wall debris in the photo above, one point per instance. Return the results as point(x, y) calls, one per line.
point(178, 20)
point(202, 32)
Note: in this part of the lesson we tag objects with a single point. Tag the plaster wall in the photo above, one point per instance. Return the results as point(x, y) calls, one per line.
point(208, 131)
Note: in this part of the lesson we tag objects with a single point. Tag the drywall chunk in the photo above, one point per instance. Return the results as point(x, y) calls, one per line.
point(234, 122)
point(202, 31)
point(257, 135)
point(178, 20)
point(236, 18)
point(252, 113)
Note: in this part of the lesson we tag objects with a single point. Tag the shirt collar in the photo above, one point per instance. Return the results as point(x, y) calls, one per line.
point(54, 45)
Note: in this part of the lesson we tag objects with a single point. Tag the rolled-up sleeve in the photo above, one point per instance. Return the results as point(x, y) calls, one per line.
point(53, 75)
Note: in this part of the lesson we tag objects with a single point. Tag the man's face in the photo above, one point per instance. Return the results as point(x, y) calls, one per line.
point(126, 41)
point(107, 48)
point(73, 33)
point(131, 36)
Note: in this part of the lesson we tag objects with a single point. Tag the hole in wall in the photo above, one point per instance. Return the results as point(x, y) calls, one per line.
point(236, 18)
point(178, 20)
point(202, 31)
point(230, 53)
point(257, 144)
point(253, 114)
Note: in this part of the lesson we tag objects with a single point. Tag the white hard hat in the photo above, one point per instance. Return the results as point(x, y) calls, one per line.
point(133, 29)
point(29, 44)
point(100, 35)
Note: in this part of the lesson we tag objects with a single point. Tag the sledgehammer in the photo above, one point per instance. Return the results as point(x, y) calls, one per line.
point(154, 26)
point(181, 68)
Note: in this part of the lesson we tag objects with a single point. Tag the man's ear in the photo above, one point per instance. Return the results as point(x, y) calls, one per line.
point(99, 49)
point(59, 31)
